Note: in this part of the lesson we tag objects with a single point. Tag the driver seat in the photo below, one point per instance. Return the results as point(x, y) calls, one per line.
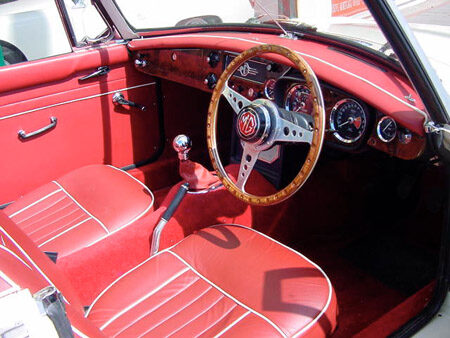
point(226, 280)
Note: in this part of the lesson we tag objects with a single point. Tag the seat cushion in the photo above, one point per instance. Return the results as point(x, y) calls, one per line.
point(223, 280)
point(81, 208)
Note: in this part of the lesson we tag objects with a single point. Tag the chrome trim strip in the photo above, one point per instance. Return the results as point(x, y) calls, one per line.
point(75, 100)
point(424, 114)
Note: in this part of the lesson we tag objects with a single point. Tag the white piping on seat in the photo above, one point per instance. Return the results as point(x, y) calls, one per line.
point(219, 319)
point(78, 332)
point(63, 232)
point(27, 256)
point(192, 301)
point(34, 203)
point(227, 294)
point(15, 255)
point(232, 324)
point(137, 217)
point(81, 207)
point(157, 307)
point(140, 300)
point(198, 315)
point(118, 279)
point(327, 304)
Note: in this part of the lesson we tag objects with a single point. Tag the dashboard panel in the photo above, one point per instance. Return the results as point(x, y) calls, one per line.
point(352, 124)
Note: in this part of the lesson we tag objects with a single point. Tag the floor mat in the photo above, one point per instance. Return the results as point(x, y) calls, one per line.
point(396, 263)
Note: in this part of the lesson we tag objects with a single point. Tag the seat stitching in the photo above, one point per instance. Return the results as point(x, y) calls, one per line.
point(134, 219)
point(34, 203)
point(41, 210)
point(218, 320)
point(61, 228)
point(232, 324)
point(330, 293)
point(178, 311)
point(119, 278)
point(228, 295)
point(63, 232)
point(157, 307)
point(222, 296)
point(56, 221)
point(140, 300)
point(84, 209)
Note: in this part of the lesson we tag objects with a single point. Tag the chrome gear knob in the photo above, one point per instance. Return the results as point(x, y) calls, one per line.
point(182, 144)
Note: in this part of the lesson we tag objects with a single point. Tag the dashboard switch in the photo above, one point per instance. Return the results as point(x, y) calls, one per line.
point(213, 59)
point(210, 80)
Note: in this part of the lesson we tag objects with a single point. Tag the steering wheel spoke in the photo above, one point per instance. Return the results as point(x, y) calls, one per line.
point(261, 122)
point(248, 160)
point(292, 132)
point(236, 100)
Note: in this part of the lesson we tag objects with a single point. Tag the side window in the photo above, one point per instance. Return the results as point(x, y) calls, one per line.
point(30, 30)
point(87, 24)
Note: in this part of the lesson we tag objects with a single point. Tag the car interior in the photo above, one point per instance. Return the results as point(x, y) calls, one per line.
point(216, 183)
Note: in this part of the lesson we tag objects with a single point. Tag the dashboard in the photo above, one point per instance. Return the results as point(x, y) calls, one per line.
point(352, 123)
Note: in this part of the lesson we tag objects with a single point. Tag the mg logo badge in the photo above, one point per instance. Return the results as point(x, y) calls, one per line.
point(247, 124)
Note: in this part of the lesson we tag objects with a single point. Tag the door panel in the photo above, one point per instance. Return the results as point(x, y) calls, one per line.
point(90, 128)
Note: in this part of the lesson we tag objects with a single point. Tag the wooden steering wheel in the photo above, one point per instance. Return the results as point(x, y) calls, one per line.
point(261, 124)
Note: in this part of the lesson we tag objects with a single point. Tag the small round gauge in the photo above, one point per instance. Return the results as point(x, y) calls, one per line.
point(386, 129)
point(298, 99)
point(269, 89)
point(348, 120)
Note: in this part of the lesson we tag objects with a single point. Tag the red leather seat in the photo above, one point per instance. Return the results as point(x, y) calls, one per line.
point(224, 280)
point(81, 208)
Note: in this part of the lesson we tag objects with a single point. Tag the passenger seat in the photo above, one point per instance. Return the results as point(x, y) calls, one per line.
point(81, 208)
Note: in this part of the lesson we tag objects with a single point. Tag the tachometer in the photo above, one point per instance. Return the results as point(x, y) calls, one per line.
point(348, 121)
point(298, 99)
point(386, 129)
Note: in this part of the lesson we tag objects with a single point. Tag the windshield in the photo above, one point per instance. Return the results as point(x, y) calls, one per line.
point(347, 19)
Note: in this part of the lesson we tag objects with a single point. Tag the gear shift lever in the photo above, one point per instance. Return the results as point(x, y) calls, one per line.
point(195, 174)
point(182, 144)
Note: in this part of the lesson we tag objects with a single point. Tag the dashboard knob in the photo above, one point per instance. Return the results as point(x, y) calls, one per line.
point(140, 63)
point(210, 80)
point(213, 59)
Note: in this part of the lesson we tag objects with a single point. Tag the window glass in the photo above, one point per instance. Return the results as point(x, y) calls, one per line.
point(86, 22)
point(31, 30)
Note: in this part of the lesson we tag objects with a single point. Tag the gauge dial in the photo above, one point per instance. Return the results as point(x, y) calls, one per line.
point(298, 99)
point(269, 89)
point(386, 129)
point(348, 120)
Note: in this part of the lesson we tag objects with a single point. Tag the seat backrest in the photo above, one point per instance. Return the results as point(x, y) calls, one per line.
point(24, 266)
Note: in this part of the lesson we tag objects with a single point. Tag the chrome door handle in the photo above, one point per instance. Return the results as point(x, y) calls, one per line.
point(119, 99)
point(103, 70)
point(23, 135)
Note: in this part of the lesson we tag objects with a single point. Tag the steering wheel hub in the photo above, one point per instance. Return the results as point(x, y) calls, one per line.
point(253, 124)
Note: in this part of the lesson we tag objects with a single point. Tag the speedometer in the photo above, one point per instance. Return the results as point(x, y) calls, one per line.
point(348, 121)
point(298, 99)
